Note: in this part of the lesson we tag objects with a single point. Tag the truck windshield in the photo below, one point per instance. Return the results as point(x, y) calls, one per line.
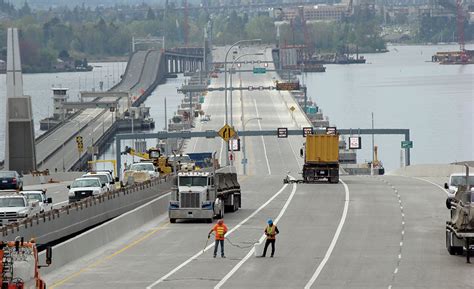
point(193, 181)
point(12, 202)
point(37, 197)
point(85, 183)
point(103, 178)
point(461, 180)
point(142, 167)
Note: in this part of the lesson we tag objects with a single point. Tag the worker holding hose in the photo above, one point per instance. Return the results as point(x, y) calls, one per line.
point(220, 229)
point(270, 231)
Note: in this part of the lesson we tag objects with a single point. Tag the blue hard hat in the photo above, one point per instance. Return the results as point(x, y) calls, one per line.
point(270, 221)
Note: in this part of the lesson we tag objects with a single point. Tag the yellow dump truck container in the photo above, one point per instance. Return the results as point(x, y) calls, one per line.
point(322, 148)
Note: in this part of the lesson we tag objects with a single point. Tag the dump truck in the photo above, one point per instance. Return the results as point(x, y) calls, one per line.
point(460, 227)
point(205, 194)
point(19, 265)
point(321, 159)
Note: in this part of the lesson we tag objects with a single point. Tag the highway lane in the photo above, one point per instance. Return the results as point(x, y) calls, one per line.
point(57, 191)
point(377, 247)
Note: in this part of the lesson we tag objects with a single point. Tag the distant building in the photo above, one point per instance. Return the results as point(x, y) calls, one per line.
point(317, 12)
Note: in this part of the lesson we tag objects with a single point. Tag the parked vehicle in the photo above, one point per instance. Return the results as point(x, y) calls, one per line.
point(145, 166)
point(85, 187)
point(46, 204)
point(11, 180)
point(14, 207)
point(104, 177)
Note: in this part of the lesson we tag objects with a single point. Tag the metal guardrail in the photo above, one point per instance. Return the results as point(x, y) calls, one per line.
point(73, 218)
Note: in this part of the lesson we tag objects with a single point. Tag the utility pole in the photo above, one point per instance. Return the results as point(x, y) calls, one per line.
point(372, 164)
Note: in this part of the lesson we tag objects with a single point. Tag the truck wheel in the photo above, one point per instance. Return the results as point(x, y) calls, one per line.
point(172, 221)
point(451, 249)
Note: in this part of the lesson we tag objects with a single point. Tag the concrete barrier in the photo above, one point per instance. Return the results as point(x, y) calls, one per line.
point(29, 180)
point(68, 220)
point(85, 243)
point(427, 170)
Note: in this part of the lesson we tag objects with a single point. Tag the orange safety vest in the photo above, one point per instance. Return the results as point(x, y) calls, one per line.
point(220, 231)
point(271, 232)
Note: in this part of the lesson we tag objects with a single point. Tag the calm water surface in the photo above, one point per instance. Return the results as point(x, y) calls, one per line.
point(403, 90)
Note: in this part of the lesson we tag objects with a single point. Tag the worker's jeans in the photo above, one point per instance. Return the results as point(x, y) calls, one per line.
point(269, 241)
point(217, 245)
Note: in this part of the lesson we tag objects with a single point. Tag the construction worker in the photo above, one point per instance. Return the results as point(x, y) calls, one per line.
point(270, 231)
point(220, 229)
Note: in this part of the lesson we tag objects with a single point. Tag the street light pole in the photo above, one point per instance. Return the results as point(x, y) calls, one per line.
point(373, 153)
point(244, 144)
point(225, 83)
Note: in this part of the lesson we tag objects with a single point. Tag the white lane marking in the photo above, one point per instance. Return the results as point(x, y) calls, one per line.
point(396, 271)
point(263, 140)
point(399, 256)
point(334, 240)
point(212, 245)
point(60, 203)
point(251, 252)
point(435, 184)
point(401, 244)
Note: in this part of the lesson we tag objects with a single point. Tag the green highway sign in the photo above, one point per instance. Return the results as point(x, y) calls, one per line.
point(259, 70)
point(407, 144)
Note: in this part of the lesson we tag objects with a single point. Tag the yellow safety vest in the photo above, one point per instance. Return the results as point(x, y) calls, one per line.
point(271, 232)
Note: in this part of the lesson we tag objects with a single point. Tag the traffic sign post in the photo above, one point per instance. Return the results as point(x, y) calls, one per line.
point(307, 130)
point(331, 130)
point(288, 86)
point(282, 132)
point(226, 132)
point(407, 144)
point(355, 142)
point(80, 144)
point(259, 70)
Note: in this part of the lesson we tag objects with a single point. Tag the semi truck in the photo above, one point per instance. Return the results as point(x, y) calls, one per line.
point(460, 227)
point(321, 159)
point(19, 265)
point(205, 194)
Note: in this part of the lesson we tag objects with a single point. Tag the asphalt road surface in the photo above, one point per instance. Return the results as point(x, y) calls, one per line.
point(365, 232)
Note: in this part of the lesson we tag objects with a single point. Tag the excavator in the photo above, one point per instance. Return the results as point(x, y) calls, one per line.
point(153, 154)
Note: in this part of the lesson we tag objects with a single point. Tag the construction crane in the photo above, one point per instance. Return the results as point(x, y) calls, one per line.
point(460, 29)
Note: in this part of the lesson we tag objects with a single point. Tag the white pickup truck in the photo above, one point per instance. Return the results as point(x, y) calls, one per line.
point(15, 207)
point(46, 204)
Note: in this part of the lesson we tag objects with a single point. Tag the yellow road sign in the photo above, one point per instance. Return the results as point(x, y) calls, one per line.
point(78, 138)
point(292, 108)
point(226, 132)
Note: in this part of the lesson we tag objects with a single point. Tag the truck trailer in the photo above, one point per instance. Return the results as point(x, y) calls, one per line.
point(205, 194)
point(460, 227)
point(321, 159)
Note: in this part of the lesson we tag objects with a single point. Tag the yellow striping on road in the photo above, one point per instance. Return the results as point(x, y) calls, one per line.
point(106, 258)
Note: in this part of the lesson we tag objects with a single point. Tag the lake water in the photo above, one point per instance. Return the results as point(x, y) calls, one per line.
point(402, 88)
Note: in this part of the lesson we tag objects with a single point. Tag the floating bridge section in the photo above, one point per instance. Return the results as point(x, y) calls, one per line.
point(57, 149)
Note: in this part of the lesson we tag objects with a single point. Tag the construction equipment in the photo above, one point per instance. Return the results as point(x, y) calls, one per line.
point(321, 159)
point(19, 265)
point(460, 228)
point(205, 194)
point(153, 154)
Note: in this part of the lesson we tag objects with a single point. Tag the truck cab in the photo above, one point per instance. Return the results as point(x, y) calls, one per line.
point(456, 180)
point(15, 207)
point(194, 197)
point(45, 204)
